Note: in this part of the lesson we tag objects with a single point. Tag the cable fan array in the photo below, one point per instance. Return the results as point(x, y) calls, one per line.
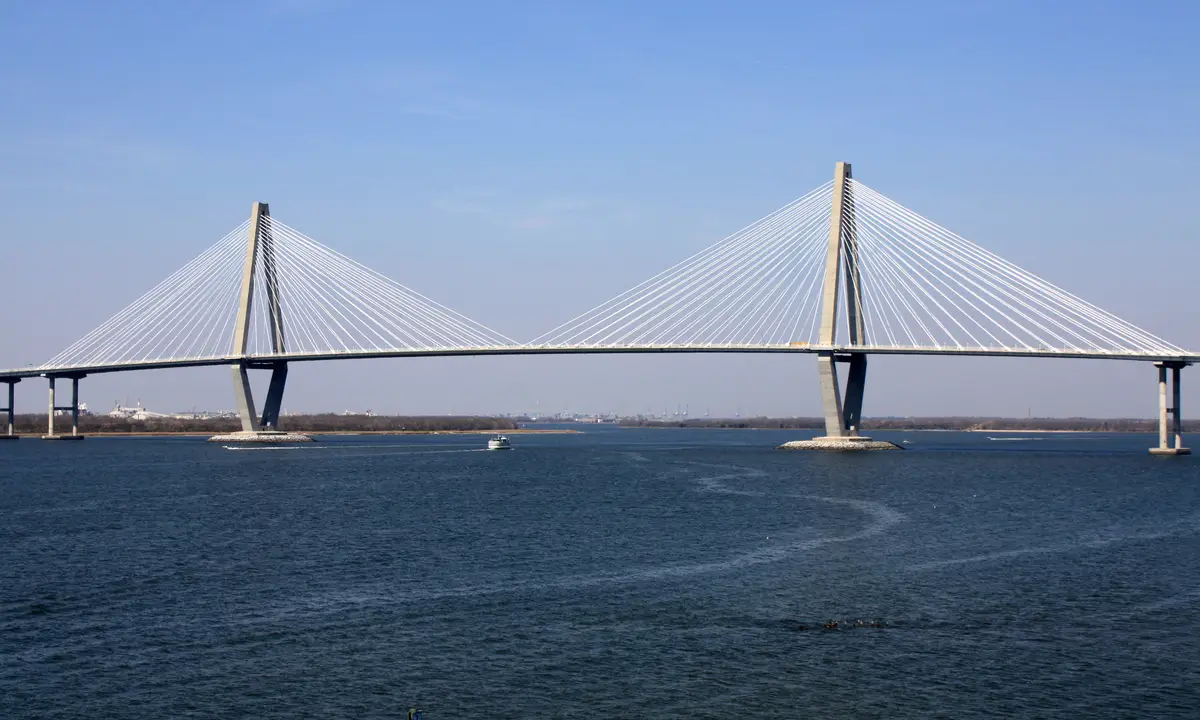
point(923, 286)
point(188, 315)
point(918, 286)
point(759, 286)
point(329, 304)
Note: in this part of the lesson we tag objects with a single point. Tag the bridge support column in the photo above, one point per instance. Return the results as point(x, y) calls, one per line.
point(244, 396)
point(831, 394)
point(252, 422)
point(255, 427)
point(1173, 411)
point(270, 413)
point(843, 411)
point(856, 383)
point(9, 411)
point(73, 408)
point(50, 413)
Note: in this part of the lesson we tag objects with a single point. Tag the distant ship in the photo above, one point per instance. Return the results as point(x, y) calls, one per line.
point(500, 442)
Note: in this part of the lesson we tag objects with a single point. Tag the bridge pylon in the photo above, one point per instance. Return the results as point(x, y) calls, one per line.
point(260, 258)
point(843, 411)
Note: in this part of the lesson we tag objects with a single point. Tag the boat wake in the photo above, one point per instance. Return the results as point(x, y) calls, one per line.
point(880, 519)
point(1182, 527)
point(258, 448)
point(397, 448)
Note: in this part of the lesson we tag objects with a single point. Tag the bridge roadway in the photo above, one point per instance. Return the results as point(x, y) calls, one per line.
point(267, 360)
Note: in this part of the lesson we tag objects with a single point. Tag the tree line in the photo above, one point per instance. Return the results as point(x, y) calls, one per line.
point(923, 423)
point(325, 422)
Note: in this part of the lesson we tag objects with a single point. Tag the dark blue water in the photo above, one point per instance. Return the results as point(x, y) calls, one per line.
point(618, 573)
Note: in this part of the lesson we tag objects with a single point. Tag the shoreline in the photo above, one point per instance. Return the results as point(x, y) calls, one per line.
point(986, 430)
point(869, 430)
point(315, 433)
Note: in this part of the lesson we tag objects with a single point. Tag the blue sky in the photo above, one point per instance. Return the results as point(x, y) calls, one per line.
point(522, 162)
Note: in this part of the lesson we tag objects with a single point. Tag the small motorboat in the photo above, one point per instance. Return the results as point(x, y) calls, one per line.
point(500, 442)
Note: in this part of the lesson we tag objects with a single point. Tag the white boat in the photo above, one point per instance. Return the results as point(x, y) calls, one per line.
point(500, 442)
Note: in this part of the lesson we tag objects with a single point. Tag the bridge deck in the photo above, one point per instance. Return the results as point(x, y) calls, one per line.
point(18, 373)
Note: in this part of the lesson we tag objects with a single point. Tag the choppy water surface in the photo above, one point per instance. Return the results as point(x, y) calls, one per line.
point(618, 573)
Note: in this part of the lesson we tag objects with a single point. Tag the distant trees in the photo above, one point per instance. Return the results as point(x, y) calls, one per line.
point(761, 423)
point(329, 422)
point(925, 423)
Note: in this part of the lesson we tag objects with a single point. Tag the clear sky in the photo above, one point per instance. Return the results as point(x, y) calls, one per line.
point(522, 162)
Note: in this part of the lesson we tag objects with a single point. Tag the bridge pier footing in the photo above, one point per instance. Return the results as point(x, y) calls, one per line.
point(843, 412)
point(1173, 411)
point(264, 428)
point(11, 430)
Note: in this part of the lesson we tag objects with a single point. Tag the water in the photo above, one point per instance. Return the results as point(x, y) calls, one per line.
point(618, 573)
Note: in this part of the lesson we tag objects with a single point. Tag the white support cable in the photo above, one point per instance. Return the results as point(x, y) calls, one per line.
point(1018, 292)
point(972, 280)
point(894, 282)
point(912, 274)
point(735, 282)
point(335, 299)
point(795, 300)
point(157, 340)
point(774, 316)
point(185, 311)
point(880, 236)
point(1128, 337)
point(326, 316)
point(684, 288)
point(738, 283)
point(198, 333)
point(918, 287)
point(878, 279)
point(800, 260)
point(88, 344)
point(329, 305)
point(299, 313)
point(749, 295)
point(104, 345)
point(676, 297)
point(874, 312)
point(398, 293)
point(921, 246)
point(309, 315)
point(805, 290)
point(703, 257)
point(312, 310)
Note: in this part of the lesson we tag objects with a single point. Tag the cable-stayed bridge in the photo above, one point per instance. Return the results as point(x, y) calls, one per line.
point(842, 272)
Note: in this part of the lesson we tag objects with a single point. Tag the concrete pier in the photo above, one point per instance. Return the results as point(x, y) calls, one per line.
point(73, 408)
point(262, 437)
point(840, 444)
point(10, 432)
point(50, 414)
point(1172, 412)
